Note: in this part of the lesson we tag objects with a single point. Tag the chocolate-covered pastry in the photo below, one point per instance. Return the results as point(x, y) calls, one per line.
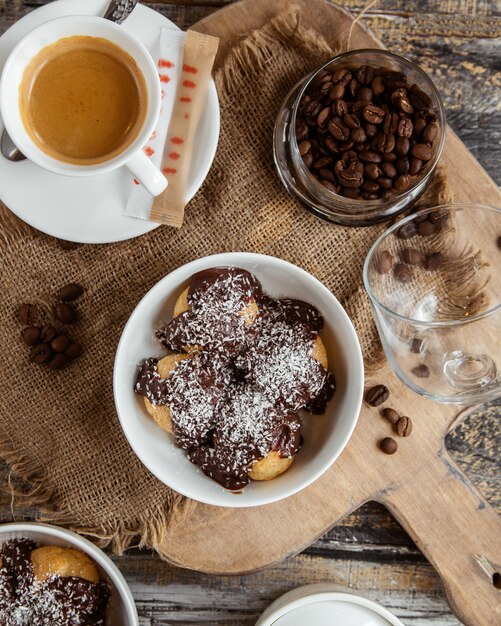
point(34, 591)
point(252, 363)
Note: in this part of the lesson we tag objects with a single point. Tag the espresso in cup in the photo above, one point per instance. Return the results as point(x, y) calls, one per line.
point(83, 100)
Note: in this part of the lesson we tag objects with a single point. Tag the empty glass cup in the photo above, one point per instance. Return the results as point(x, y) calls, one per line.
point(434, 282)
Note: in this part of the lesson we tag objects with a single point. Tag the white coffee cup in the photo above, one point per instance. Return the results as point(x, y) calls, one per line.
point(132, 156)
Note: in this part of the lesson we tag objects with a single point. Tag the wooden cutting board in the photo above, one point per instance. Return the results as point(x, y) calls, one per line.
point(449, 520)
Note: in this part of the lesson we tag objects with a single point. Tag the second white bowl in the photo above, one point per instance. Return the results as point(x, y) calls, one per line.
point(324, 436)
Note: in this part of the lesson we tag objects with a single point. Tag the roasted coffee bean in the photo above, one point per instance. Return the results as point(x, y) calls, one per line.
point(389, 157)
point(370, 130)
point(70, 292)
point(394, 80)
point(373, 114)
point(68, 245)
point(358, 135)
point(388, 445)
point(389, 169)
point(351, 121)
point(407, 231)
point(377, 86)
point(60, 343)
point(326, 86)
point(419, 125)
point(402, 273)
point(422, 151)
point(65, 313)
point(346, 146)
point(41, 353)
point(312, 109)
point(327, 174)
point(365, 74)
point(440, 218)
point(371, 171)
point(384, 143)
point(322, 162)
point(421, 371)
point(73, 351)
point(47, 333)
point(353, 88)
point(404, 426)
point(304, 147)
point(391, 415)
point(402, 165)
point(370, 186)
point(364, 93)
point(390, 123)
point(338, 130)
point(402, 182)
point(337, 92)
point(415, 165)
point(339, 108)
point(411, 256)
point(377, 395)
point(301, 130)
point(383, 262)
point(27, 313)
point(402, 146)
point(400, 99)
point(427, 228)
point(429, 133)
point(419, 98)
point(416, 345)
point(58, 361)
point(31, 335)
point(385, 183)
point(352, 176)
point(328, 185)
point(434, 261)
point(342, 76)
point(370, 157)
point(308, 160)
point(405, 127)
point(347, 192)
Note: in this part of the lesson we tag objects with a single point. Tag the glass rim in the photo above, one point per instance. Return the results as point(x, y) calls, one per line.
point(400, 59)
point(437, 324)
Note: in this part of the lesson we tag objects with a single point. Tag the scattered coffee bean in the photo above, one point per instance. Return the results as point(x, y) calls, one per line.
point(402, 273)
point(377, 395)
point(366, 115)
point(65, 313)
point(70, 292)
point(421, 371)
point(68, 245)
point(31, 335)
point(407, 231)
point(411, 256)
point(383, 262)
point(426, 228)
point(416, 345)
point(41, 353)
point(58, 361)
point(60, 344)
point(434, 261)
point(404, 426)
point(391, 415)
point(388, 445)
point(74, 351)
point(27, 314)
point(48, 333)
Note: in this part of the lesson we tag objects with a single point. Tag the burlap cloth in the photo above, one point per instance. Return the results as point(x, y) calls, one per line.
point(59, 431)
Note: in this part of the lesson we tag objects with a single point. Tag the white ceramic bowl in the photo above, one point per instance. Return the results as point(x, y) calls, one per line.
point(324, 436)
point(121, 609)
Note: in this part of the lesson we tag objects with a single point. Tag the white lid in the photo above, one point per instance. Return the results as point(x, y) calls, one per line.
point(321, 606)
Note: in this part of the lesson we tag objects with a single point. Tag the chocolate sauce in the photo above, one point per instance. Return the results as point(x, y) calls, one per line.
point(58, 601)
point(237, 399)
point(218, 299)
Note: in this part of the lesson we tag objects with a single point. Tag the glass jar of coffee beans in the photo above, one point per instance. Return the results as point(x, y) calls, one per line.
point(356, 142)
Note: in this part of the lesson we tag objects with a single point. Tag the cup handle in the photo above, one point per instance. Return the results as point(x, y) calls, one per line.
point(147, 173)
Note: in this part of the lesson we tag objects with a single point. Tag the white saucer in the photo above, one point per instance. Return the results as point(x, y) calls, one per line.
point(90, 210)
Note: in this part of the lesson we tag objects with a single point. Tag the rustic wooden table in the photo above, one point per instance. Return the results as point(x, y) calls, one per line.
point(458, 42)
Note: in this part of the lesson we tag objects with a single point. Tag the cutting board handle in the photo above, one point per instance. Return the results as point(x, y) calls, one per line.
point(457, 531)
